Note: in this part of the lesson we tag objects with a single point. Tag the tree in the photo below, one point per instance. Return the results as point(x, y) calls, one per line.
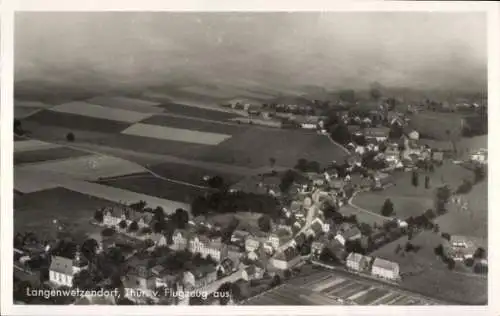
point(347, 95)
point(313, 166)
point(89, 248)
point(159, 214)
point(107, 232)
point(301, 165)
point(158, 227)
point(99, 216)
point(429, 214)
point(479, 174)
point(387, 208)
point(264, 223)
point(180, 218)
point(427, 182)
point(133, 227)
point(365, 229)
point(398, 249)
point(123, 224)
point(287, 274)
point(70, 137)
point(275, 281)
point(224, 293)
point(216, 182)
point(272, 162)
point(375, 91)
point(480, 253)
point(83, 280)
point(414, 179)
point(439, 251)
point(443, 195)
point(287, 181)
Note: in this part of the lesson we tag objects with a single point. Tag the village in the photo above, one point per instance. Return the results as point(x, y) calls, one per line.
point(142, 251)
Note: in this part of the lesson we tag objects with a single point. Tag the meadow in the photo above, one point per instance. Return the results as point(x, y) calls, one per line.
point(42, 155)
point(129, 104)
point(98, 111)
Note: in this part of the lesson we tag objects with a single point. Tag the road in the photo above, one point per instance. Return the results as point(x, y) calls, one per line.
point(349, 202)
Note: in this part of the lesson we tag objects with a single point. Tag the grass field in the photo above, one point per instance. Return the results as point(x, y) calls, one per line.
point(32, 145)
point(195, 124)
point(46, 155)
point(192, 111)
point(35, 211)
point(434, 125)
point(101, 112)
point(409, 200)
point(25, 111)
point(88, 167)
point(191, 174)
point(76, 122)
point(257, 145)
point(430, 276)
point(363, 217)
point(147, 184)
point(247, 221)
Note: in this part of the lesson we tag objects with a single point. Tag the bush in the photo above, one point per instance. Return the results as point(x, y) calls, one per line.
point(70, 137)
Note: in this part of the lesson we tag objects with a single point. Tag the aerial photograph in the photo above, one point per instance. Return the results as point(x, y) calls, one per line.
point(250, 158)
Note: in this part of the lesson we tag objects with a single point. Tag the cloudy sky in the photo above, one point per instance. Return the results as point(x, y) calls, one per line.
point(422, 50)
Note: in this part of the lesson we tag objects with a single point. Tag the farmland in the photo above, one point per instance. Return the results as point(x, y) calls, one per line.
point(195, 124)
point(98, 111)
point(363, 217)
point(32, 145)
point(89, 167)
point(192, 111)
point(434, 125)
point(247, 221)
point(409, 200)
point(191, 174)
point(76, 122)
point(46, 155)
point(175, 134)
point(147, 184)
point(425, 273)
point(35, 211)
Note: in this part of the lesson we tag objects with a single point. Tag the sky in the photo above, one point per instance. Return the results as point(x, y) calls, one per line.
point(332, 50)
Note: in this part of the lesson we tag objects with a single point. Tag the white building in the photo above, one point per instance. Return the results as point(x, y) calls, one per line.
point(385, 269)
point(357, 262)
point(62, 270)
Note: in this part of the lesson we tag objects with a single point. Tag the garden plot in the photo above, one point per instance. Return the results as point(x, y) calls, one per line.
point(130, 104)
point(91, 167)
point(175, 134)
point(32, 145)
point(98, 111)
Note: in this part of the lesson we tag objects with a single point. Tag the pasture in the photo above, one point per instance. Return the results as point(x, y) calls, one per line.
point(147, 184)
point(257, 145)
point(101, 112)
point(24, 112)
point(136, 105)
point(187, 109)
point(435, 125)
point(32, 145)
point(369, 218)
point(195, 124)
point(409, 200)
point(192, 174)
point(36, 211)
point(247, 221)
point(89, 167)
point(49, 154)
point(74, 122)
point(423, 272)
point(175, 134)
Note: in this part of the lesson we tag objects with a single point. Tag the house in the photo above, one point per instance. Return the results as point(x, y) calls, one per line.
point(180, 239)
point(352, 234)
point(276, 240)
point(239, 236)
point(163, 277)
point(199, 277)
point(438, 157)
point(213, 247)
point(286, 259)
point(252, 272)
point(159, 240)
point(357, 262)
point(252, 243)
point(318, 246)
point(62, 270)
point(140, 275)
point(385, 269)
point(461, 248)
point(480, 156)
point(378, 134)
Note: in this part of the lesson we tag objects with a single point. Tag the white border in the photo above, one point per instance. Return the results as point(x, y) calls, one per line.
point(491, 8)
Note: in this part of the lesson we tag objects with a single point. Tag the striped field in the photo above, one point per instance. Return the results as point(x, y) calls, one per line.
point(175, 134)
point(99, 111)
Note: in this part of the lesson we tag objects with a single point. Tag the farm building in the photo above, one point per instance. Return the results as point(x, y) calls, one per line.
point(385, 269)
point(286, 259)
point(358, 262)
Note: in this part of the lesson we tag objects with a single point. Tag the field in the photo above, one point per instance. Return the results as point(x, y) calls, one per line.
point(192, 111)
point(23, 112)
point(147, 184)
point(472, 223)
point(175, 134)
point(35, 211)
point(434, 125)
point(284, 146)
point(409, 200)
point(332, 288)
point(42, 155)
point(195, 124)
point(247, 221)
point(32, 145)
point(363, 217)
point(425, 273)
point(101, 112)
point(75, 122)
point(192, 174)
point(89, 167)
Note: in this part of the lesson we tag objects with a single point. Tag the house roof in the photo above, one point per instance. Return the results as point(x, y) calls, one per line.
point(202, 270)
point(377, 131)
point(354, 231)
point(61, 265)
point(287, 255)
point(385, 264)
point(356, 257)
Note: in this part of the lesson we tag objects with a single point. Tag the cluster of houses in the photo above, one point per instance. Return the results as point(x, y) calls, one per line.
point(377, 267)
